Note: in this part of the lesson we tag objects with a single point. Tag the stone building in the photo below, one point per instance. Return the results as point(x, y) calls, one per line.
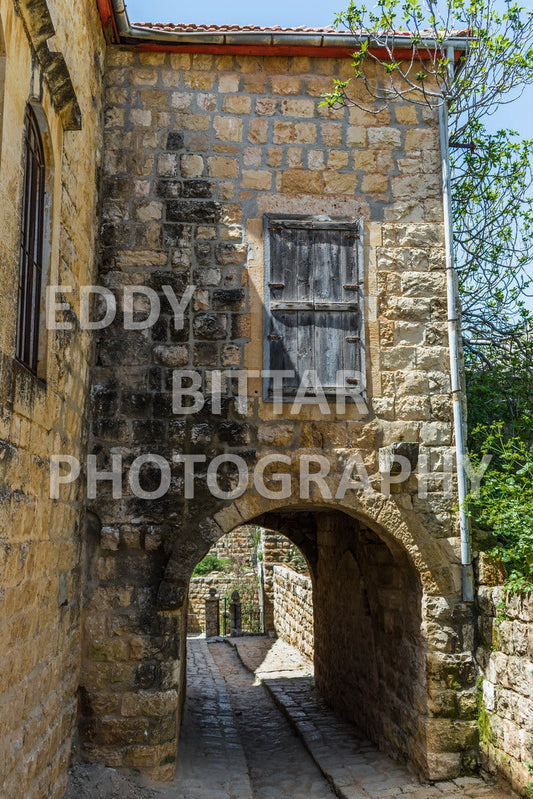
point(51, 68)
point(222, 171)
point(274, 234)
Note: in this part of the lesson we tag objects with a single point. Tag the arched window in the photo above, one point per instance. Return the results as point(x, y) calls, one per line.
point(31, 244)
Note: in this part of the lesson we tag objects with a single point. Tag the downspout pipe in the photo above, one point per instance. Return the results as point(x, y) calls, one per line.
point(121, 17)
point(455, 357)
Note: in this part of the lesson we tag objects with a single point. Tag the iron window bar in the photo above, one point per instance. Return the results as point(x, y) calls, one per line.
point(31, 245)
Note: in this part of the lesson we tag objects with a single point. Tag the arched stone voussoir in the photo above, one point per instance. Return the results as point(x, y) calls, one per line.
point(249, 507)
point(398, 526)
point(186, 553)
point(403, 531)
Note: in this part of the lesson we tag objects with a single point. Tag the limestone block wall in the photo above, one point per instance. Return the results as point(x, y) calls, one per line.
point(198, 590)
point(245, 582)
point(275, 548)
point(505, 658)
point(41, 539)
point(293, 609)
point(198, 148)
point(238, 546)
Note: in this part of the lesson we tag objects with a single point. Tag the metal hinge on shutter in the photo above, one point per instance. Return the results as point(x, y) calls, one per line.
point(312, 305)
point(314, 224)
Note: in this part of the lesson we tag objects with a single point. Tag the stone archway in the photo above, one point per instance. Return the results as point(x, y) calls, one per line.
point(412, 686)
point(392, 636)
point(370, 647)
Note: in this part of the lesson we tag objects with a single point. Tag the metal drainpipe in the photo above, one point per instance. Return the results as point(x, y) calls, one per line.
point(453, 336)
point(274, 38)
point(121, 17)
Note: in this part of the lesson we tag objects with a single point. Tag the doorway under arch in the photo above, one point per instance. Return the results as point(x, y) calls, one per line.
point(391, 641)
point(369, 656)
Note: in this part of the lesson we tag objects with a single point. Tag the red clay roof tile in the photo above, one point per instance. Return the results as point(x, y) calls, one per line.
point(206, 28)
point(182, 27)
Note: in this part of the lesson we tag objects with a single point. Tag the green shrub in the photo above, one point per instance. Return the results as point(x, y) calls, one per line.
point(210, 564)
point(504, 504)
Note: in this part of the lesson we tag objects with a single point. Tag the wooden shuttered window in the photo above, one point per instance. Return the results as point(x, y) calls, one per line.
point(313, 309)
point(31, 245)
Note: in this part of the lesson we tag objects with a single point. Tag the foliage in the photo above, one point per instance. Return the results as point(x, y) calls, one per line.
point(496, 58)
point(297, 560)
point(500, 387)
point(491, 173)
point(256, 543)
point(492, 218)
point(504, 504)
point(211, 563)
point(493, 225)
point(529, 787)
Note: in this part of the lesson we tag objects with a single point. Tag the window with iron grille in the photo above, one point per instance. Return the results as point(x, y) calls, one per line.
point(313, 301)
point(31, 245)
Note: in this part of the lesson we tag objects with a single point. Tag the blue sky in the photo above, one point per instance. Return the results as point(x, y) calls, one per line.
point(237, 12)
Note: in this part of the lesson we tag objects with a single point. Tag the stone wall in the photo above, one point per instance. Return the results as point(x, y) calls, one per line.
point(368, 607)
point(41, 539)
point(505, 658)
point(293, 609)
point(275, 548)
point(245, 582)
point(198, 148)
point(238, 546)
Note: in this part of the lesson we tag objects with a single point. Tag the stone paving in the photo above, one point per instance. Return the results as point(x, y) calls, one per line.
point(211, 761)
point(236, 744)
point(278, 763)
point(353, 765)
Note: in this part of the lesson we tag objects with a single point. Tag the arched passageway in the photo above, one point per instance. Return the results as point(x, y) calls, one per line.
point(271, 575)
point(369, 649)
point(390, 638)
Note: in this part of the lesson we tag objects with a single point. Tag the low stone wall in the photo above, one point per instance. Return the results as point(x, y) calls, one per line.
point(505, 657)
point(293, 609)
point(275, 549)
point(198, 590)
point(224, 582)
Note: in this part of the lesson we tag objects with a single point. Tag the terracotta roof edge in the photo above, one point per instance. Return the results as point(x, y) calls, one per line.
point(174, 35)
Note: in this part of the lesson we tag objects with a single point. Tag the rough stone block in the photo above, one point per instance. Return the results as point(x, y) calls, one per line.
point(237, 104)
point(256, 179)
point(192, 166)
point(222, 167)
point(285, 84)
point(228, 128)
point(298, 180)
point(298, 108)
point(148, 703)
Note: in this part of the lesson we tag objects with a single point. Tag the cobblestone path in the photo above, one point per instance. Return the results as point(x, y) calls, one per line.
point(211, 761)
point(278, 763)
point(237, 740)
point(356, 768)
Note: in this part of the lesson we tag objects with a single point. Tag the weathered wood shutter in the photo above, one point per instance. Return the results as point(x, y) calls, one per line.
point(313, 314)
